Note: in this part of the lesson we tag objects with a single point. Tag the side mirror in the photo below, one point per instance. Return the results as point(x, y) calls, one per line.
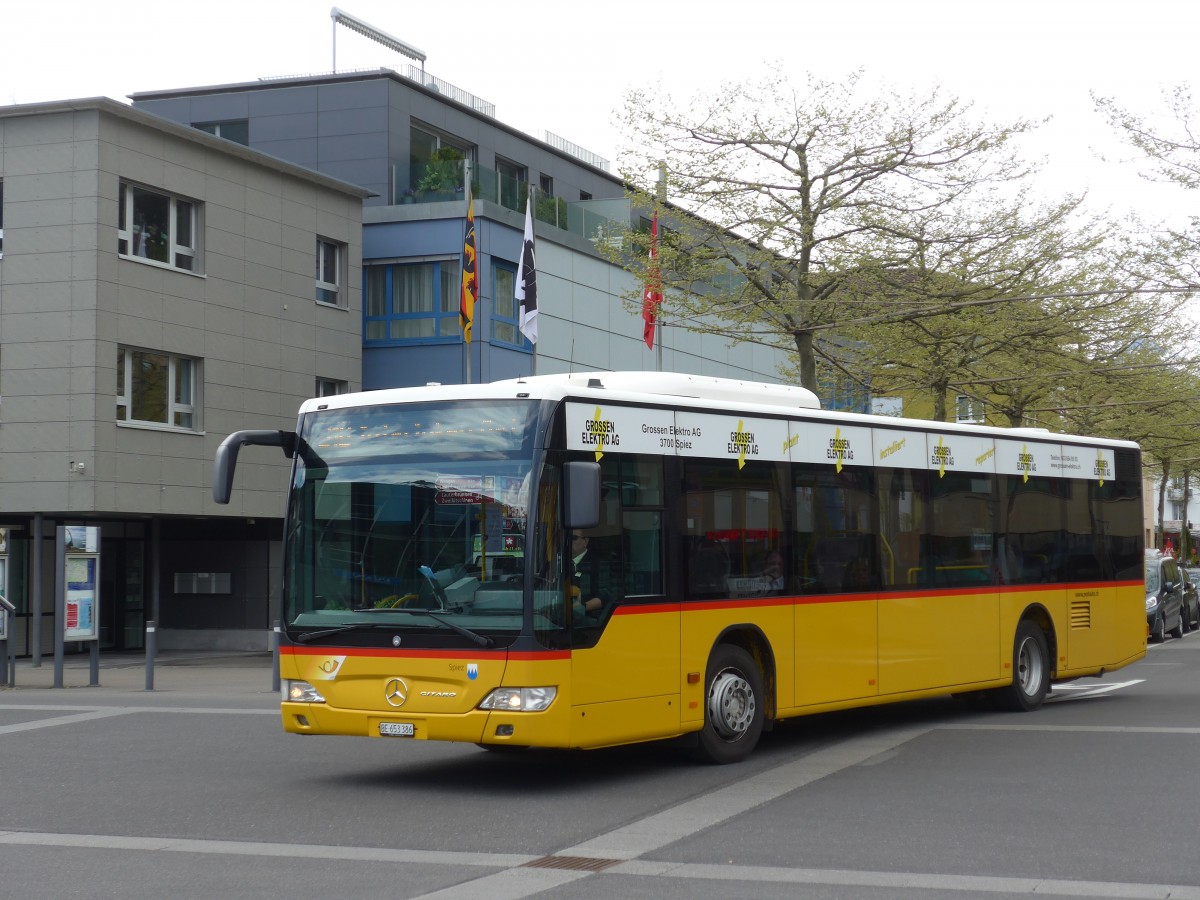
point(225, 461)
point(581, 495)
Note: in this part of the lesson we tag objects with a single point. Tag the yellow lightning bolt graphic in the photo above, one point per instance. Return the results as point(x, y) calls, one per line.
point(599, 433)
point(941, 457)
point(741, 447)
point(837, 442)
point(1025, 457)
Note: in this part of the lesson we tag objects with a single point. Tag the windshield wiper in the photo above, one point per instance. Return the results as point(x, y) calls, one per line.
point(480, 639)
point(337, 629)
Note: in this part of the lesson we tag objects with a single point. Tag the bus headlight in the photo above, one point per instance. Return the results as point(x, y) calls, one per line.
point(530, 699)
point(300, 692)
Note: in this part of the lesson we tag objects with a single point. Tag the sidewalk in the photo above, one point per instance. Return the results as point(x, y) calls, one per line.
point(219, 673)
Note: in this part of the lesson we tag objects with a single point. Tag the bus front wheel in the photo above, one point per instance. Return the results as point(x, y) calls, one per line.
point(1031, 670)
point(733, 706)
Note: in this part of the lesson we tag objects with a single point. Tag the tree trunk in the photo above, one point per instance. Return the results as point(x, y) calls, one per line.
point(1161, 540)
point(808, 360)
point(939, 403)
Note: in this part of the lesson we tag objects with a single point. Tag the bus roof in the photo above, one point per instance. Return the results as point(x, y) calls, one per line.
point(674, 389)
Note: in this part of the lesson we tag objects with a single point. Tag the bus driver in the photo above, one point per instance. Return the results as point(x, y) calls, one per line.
point(589, 575)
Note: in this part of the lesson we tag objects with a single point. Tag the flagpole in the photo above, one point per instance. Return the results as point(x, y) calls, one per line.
point(533, 361)
point(660, 200)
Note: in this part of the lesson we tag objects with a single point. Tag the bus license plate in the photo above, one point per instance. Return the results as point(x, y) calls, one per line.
point(396, 729)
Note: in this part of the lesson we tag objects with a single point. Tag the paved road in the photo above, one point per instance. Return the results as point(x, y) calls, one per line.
point(193, 790)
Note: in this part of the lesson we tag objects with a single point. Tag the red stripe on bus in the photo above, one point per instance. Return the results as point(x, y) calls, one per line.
point(417, 653)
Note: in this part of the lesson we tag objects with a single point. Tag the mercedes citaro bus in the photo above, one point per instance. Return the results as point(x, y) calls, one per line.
point(763, 559)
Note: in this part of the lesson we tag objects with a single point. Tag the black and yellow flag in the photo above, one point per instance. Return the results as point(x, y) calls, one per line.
point(470, 287)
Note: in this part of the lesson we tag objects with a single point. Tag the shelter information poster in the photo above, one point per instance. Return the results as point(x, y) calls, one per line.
point(82, 601)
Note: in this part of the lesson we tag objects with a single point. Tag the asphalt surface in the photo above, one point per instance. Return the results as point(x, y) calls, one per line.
point(193, 790)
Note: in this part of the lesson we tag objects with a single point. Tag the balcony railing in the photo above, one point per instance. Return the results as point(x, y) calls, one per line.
point(444, 182)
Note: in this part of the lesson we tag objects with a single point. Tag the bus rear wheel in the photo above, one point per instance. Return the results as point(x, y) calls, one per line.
point(1031, 670)
point(733, 706)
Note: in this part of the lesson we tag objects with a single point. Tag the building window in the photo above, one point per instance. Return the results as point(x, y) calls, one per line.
point(415, 302)
point(157, 227)
point(968, 410)
point(512, 179)
point(1, 218)
point(431, 159)
point(331, 257)
point(237, 130)
point(331, 387)
point(546, 185)
point(505, 328)
point(157, 388)
point(585, 195)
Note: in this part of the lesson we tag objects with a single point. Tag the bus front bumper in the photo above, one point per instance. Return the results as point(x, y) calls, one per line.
point(548, 728)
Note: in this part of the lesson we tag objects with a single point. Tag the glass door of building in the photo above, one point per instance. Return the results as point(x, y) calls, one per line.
point(122, 594)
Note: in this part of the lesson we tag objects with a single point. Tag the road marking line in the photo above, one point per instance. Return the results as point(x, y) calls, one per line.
point(905, 880)
point(511, 884)
point(688, 818)
point(62, 720)
point(1064, 692)
point(201, 710)
point(262, 848)
point(1095, 729)
point(516, 881)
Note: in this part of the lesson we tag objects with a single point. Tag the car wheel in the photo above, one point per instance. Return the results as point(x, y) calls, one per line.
point(1158, 629)
point(1177, 631)
point(733, 707)
point(1031, 670)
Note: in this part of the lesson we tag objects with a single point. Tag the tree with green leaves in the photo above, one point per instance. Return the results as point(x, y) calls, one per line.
point(991, 294)
point(1169, 434)
point(786, 196)
point(1173, 153)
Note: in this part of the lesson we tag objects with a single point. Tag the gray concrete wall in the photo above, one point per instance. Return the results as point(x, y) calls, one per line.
point(68, 302)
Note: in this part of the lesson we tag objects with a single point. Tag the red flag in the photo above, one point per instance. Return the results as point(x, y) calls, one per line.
point(466, 306)
point(652, 298)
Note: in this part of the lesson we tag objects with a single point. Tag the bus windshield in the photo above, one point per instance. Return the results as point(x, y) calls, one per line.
point(410, 519)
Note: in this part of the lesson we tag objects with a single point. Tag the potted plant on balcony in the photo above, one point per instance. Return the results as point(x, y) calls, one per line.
point(443, 172)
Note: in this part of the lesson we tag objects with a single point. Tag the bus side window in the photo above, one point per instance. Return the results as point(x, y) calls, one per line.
point(643, 552)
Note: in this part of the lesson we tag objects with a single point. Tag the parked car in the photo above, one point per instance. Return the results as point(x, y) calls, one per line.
point(1192, 597)
point(1164, 596)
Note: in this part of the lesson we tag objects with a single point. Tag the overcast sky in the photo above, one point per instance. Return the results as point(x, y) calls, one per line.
point(566, 67)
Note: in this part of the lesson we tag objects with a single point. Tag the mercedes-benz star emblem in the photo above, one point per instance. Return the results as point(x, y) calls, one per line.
point(395, 692)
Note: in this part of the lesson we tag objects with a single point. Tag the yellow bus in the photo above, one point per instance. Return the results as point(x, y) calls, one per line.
point(749, 558)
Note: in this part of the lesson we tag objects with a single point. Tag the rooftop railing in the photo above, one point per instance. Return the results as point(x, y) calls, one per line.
point(442, 181)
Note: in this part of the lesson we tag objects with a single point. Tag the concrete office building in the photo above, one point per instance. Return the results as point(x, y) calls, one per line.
point(156, 293)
